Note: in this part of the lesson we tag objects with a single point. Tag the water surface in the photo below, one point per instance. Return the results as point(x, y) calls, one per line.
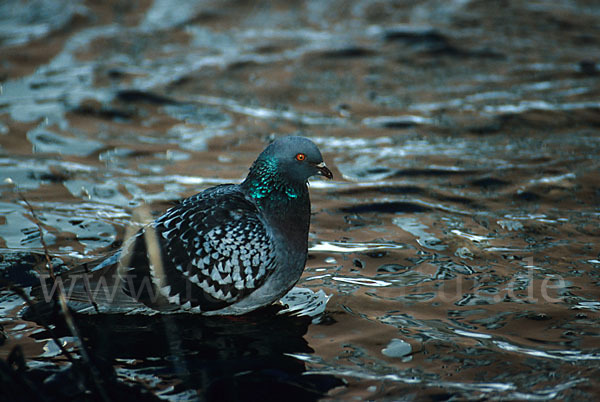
point(456, 249)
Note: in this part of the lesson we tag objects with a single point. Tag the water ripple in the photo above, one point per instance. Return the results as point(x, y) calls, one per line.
point(350, 247)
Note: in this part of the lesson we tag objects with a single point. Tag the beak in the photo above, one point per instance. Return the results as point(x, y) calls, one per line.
point(324, 171)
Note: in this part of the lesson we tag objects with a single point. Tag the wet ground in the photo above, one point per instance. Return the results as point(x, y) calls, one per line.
point(458, 241)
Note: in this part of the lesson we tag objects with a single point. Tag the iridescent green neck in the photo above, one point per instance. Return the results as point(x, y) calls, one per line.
point(265, 184)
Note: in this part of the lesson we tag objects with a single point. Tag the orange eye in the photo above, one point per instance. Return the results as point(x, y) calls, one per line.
point(300, 157)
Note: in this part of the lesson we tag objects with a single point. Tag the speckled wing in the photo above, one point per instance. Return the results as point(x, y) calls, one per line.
point(215, 251)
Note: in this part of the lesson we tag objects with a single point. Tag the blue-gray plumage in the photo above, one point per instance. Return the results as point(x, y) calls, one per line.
point(230, 249)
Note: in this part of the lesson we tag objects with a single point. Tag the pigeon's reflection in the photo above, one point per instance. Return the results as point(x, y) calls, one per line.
point(210, 358)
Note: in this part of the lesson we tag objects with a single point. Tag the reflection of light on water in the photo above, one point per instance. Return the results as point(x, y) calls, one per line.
point(472, 334)
point(127, 374)
point(362, 281)
point(587, 305)
point(567, 355)
point(506, 249)
point(524, 106)
point(416, 228)
point(339, 247)
point(9, 302)
point(266, 113)
point(510, 225)
point(408, 120)
point(51, 349)
point(553, 179)
point(508, 390)
point(474, 238)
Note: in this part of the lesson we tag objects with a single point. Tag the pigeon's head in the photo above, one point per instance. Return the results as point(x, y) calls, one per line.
point(295, 158)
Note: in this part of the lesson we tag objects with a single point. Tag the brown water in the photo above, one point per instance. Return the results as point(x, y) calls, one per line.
point(458, 242)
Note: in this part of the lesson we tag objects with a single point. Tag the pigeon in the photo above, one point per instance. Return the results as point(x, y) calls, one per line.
point(228, 250)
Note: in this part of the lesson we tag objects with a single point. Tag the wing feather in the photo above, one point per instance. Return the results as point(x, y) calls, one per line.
point(215, 250)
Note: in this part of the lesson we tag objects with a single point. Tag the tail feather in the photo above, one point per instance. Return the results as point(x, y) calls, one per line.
point(100, 289)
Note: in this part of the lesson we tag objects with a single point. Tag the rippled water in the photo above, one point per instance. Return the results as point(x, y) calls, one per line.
point(455, 255)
